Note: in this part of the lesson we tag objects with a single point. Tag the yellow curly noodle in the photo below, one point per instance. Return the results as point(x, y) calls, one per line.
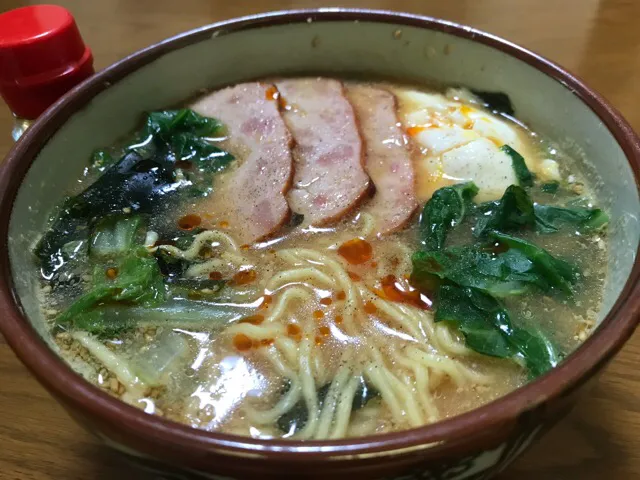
point(398, 350)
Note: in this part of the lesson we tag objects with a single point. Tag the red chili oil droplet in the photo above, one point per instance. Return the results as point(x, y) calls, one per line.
point(242, 343)
point(370, 308)
point(325, 331)
point(318, 314)
point(266, 301)
point(272, 93)
point(215, 276)
point(243, 277)
point(319, 340)
point(223, 224)
point(294, 331)
point(341, 295)
point(396, 292)
point(338, 319)
point(413, 131)
point(265, 342)
point(354, 276)
point(356, 251)
point(189, 222)
point(326, 301)
point(111, 273)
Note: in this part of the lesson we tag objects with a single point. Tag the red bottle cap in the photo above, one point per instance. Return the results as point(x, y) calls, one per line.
point(42, 56)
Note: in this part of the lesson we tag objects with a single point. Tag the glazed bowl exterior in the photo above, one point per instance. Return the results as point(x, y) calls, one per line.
point(475, 445)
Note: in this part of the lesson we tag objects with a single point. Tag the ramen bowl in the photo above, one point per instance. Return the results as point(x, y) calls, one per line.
point(474, 445)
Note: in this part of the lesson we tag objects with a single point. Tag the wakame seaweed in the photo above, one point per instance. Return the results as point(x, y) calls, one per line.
point(296, 418)
point(496, 101)
point(145, 174)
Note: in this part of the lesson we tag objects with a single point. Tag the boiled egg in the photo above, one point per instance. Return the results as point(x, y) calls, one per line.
point(460, 142)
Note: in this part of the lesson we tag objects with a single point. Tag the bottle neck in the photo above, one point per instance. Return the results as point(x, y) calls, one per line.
point(19, 127)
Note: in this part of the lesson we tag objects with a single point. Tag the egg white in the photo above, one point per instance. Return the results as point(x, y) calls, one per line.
point(459, 141)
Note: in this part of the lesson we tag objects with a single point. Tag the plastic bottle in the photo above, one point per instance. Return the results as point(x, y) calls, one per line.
point(42, 56)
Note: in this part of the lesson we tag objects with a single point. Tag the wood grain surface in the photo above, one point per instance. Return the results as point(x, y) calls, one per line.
point(597, 40)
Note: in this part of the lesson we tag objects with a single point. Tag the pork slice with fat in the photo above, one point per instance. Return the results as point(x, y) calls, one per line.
point(251, 199)
point(329, 179)
point(389, 160)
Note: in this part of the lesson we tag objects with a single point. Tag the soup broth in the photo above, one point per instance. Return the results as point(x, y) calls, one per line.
point(319, 259)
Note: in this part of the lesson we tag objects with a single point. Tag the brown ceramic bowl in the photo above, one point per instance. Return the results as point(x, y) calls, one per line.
point(471, 446)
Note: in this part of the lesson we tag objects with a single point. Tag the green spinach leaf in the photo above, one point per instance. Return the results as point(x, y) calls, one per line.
point(523, 174)
point(514, 210)
point(488, 329)
point(550, 218)
point(558, 273)
point(446, 209)
point(501, 275)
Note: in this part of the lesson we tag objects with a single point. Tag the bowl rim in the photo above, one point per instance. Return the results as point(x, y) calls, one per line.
point(61, 380)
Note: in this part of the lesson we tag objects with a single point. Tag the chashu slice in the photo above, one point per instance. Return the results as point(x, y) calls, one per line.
point(252, 197)
point(388, 157)
point(329, 179)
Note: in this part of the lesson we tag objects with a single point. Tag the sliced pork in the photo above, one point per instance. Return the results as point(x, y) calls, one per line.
point(329, 179)
point(252, 203)
point(388, 157)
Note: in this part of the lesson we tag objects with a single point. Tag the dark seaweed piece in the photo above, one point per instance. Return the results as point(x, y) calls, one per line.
point(496, 101)
point(296, 418)
point(296, 219)
point(550, 187)
point(364, 394)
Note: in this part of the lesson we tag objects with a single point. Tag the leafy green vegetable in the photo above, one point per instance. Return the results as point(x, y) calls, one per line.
point(102, 322)
point(497, 101)
point(513, 211)
point(111, 319)
point(140, 179)
point(182, 133)
point(516, 211)
point(487, 328)
point(550, 218)
point(556, 272)
point(501, 275)
point(523, 174)
point(135, 279)
point(550, 187)
point(194, 288)
point(114, 235)
point(133, 183)
point(446, 209)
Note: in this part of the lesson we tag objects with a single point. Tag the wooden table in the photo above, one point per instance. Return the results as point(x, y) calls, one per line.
point(598, 40)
